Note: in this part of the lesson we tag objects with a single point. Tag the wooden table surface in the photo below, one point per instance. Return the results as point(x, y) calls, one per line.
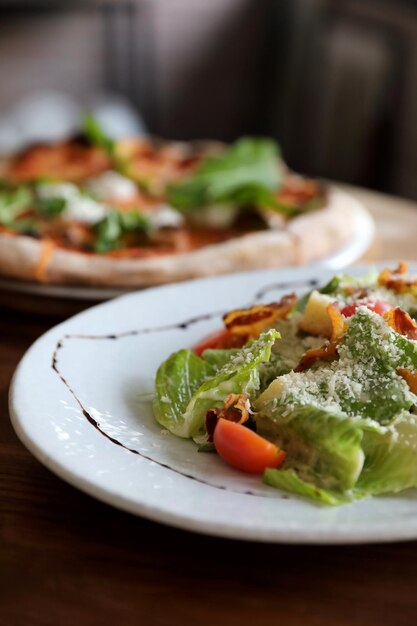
point(68, 559)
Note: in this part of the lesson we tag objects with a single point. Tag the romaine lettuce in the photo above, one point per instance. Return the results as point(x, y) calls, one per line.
point(177, 379)
point(239, 375)
point(346, 425)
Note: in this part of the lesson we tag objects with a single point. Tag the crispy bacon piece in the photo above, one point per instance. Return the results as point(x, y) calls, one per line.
point(359, 293)
point(252, 321)
point(392, 279)
point(327, 352)
point(401, 322)
point(339, 326)
point(409, 377)
point(236, 409)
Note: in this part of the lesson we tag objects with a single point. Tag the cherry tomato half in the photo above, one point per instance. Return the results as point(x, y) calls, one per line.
point(379, 306)
point(222, 338)
point(212, 341)
point(244, 449)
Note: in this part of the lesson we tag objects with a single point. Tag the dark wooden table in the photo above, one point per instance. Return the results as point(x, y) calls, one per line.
point(68, 559)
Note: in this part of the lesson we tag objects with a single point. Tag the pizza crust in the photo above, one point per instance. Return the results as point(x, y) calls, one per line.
point(305, 239)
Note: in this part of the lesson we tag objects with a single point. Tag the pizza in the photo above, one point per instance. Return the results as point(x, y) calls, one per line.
point(143, 211)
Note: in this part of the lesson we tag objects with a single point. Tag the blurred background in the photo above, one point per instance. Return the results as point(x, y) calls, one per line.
point(335, 82)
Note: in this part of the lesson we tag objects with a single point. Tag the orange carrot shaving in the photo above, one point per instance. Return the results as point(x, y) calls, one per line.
point(47, 250)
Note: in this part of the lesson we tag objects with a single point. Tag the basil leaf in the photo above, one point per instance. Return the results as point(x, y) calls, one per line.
point(108, 233)
point(110, 230)
point(13, 203)
point(50, 207)
point(96, 135)
point(248, 172)
point(133, 221)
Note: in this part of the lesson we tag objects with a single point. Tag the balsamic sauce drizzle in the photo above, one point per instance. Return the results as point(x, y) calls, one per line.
point(295, 284)
point(158, 329)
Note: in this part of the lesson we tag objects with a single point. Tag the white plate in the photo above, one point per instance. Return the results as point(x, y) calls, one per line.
point(94, 367)
point(364, 231)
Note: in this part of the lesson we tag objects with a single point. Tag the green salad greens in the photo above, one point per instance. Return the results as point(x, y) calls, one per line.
point(332, 385)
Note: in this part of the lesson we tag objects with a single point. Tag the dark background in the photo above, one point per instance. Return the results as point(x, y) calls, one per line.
point(335, 82)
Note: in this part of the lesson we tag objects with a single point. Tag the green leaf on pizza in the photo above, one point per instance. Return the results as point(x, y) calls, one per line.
point(247, 173)
point(96, 135)
point(110, 230)
point(13, 203)
point(50, 207)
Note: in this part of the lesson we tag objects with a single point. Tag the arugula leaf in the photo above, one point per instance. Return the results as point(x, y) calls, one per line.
point(110, 230)
point(50, 207)
point(248, 172)
point(96, 135)
point(13, 202)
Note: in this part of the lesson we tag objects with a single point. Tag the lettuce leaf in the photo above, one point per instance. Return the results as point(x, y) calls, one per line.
point(376, 351)
point(390, 458)
point(289, 480)
point(177, 379)
point(219, 357)
point(324, 448)
point(390, 466)
point(239, 375)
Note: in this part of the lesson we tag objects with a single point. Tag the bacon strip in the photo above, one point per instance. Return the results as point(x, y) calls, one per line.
point(401, 322)
point(327, 352)
point(236, 409)
point(252, 321)
point(391, 279)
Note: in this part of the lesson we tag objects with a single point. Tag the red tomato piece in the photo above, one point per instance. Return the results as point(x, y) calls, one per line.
point(244, 449)
point(212, 341)
point(222, 338)
point(379, 306)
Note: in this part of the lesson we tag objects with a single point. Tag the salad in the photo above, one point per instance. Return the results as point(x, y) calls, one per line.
point(317, 394)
